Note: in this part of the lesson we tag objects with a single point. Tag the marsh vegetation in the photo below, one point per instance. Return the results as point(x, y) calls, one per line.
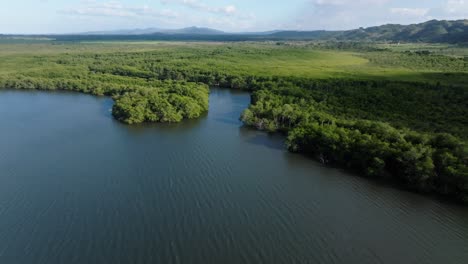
point(381, 111)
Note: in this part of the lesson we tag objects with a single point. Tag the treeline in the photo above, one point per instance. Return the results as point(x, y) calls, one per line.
point(422, 161)
point(419, 106)
point(418, 60)
point(95, 87)
point(347, 45)
point(136, 101)
point(160, 72)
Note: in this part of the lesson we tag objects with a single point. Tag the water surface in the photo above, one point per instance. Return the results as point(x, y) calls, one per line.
point(78, 187)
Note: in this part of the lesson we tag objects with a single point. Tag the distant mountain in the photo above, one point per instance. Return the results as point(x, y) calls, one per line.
point(148, 31)
point(194, 31)
point(260, 33)
point(305, 35)
point(123, 32)
point(431, 31)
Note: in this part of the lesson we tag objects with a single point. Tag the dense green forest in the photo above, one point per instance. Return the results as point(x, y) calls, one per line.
point(379, 110)
point(428, 162)
point(171, 102)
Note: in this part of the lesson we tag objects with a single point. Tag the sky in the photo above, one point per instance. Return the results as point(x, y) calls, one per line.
point(72, 16)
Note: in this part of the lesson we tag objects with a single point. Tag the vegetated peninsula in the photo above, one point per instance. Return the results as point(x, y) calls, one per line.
point(384, 110)
point(166, 102)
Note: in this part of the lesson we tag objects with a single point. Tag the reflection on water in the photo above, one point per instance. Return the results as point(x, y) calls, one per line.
point(273, 141)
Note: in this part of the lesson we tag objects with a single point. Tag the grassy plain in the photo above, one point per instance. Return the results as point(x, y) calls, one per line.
point(440, 49)
point(259, 59)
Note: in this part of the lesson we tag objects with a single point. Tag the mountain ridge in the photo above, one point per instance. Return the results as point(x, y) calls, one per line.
point(144, 31)
point(433, 31)
point(450, 31)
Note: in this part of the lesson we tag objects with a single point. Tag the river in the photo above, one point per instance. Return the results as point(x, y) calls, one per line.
point(76, 186)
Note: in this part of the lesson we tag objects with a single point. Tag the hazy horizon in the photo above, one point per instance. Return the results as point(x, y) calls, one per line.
point(77, 16)
point(181, 28)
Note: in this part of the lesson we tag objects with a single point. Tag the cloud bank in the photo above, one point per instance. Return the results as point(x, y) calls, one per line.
point(347, 14)
point(54, 16)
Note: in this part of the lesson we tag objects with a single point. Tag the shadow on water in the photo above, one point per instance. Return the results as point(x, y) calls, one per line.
point(227, 121)
point(106, 106)
point(259, 138)
point(230, 118)
point(186, 125)
point(372, 186)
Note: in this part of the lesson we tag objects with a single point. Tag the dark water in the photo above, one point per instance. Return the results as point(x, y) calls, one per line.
point(78, 187)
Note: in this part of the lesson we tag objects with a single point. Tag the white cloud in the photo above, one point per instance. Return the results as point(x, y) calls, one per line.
point(349, 14)
point(310, 15)
point(200, 6)
point(456, 7)
point(230, 9)
point(348, 2)
point(340, 14)
point(117, 14)
point(116, 9)
point(412, 12)
point(329, 2)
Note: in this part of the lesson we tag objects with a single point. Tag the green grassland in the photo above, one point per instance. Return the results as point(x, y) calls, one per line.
point(439, 49)
point(236, 59)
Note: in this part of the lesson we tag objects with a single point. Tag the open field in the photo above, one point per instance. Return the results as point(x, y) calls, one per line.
point(238, 59)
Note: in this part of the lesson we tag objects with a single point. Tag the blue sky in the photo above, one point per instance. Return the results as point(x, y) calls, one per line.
point(68, 16)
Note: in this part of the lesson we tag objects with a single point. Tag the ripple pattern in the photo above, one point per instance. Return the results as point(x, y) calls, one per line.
point(78, 187)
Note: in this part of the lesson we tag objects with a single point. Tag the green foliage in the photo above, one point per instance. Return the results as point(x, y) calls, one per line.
point(171, 102)
point(422, 161)
point(417, 60)
point(422, 107)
